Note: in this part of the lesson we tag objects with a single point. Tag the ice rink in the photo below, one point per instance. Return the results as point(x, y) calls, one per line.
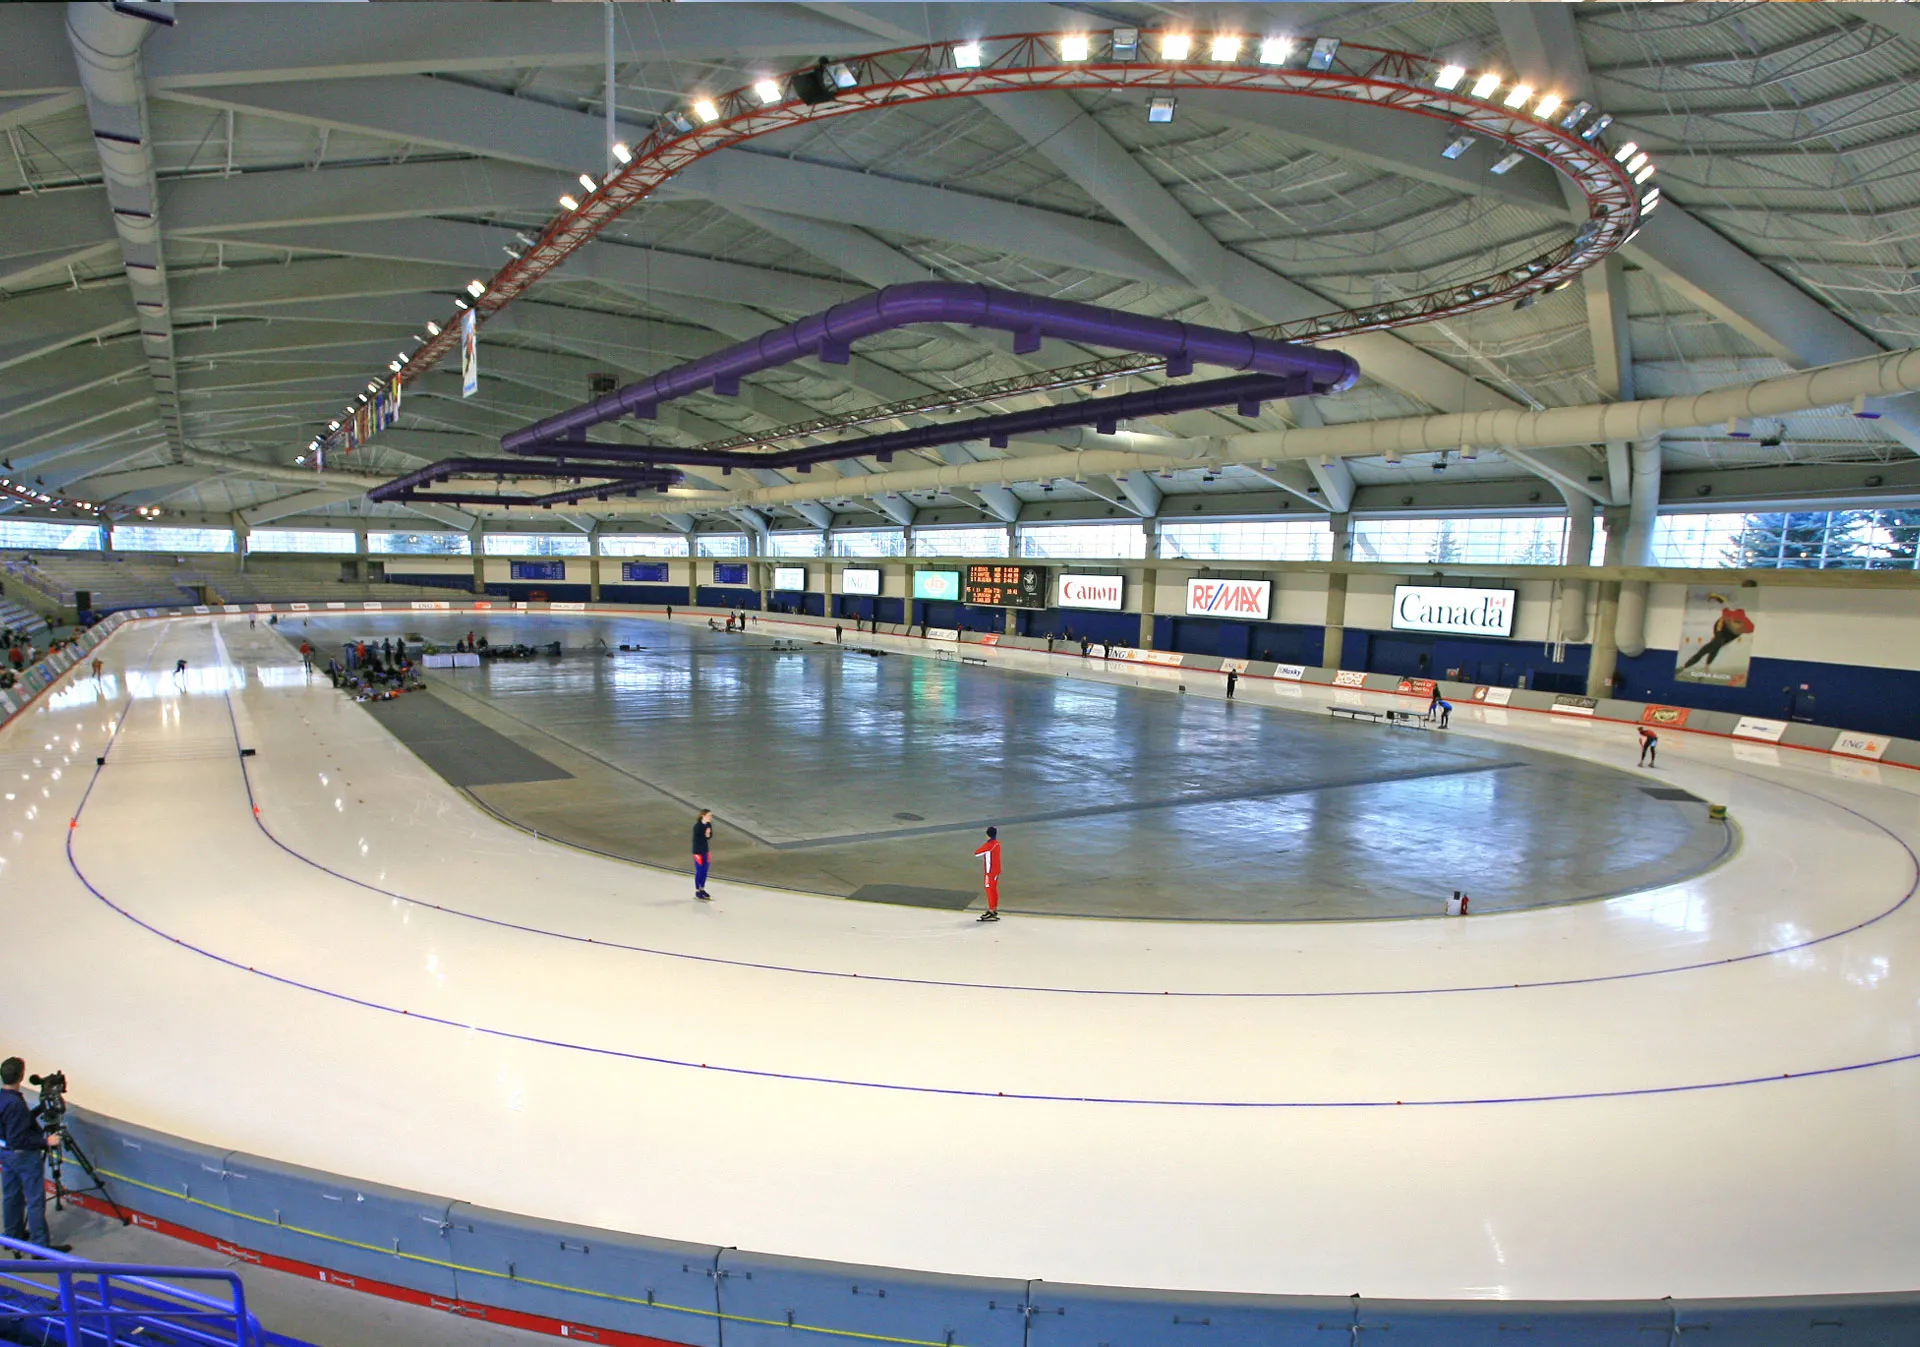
point(327, 954)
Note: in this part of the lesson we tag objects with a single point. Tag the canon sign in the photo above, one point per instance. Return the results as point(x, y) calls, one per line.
point(1229, 598)
point(1092, 591)
point(1465, 612)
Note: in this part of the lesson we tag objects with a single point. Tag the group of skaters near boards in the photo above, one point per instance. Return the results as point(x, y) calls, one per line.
point(988, 853)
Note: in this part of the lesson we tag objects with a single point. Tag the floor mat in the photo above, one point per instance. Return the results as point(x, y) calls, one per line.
point(459, 747)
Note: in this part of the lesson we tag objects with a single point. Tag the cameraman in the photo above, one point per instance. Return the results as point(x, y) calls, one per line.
point(23, 1152)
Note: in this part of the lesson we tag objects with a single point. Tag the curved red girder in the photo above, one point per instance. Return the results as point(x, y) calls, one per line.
point(1375, 76)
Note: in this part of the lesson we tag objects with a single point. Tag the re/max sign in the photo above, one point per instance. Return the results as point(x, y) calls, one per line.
point(1229, 598)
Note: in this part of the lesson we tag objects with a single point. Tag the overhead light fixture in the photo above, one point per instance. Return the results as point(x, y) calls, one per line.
point(374, 387)
point(1518, 95)
point(476, 288)
point(1507, 162)
point(363, 397)
point(299, 458)
point(1324, 50)
point(1547, 106)
point(1075, 47)
point(1275, 50)
point(1575, 115)
point(568, 203)
point(1484, 86)
point(333, 425)
point(1625, 152)
point(703, 108)
point(394, 365)
point(510, 251)
point(1125, 42)
point(1456, 147)
point(459, 303)
point(1643, 174)
point(1449, 77)
point(1225, 47)
point(1175, 46)
point(433, 329)
point(842, 75)
point(678, 121)
point(966, 56)
point(1638, 162)
point(767, 91)
point(621, 152)
point(1160, 108)
point(1600, 123)
point(586, 181)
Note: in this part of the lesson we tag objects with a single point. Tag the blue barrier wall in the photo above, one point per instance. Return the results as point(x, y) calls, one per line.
point(471, 1259)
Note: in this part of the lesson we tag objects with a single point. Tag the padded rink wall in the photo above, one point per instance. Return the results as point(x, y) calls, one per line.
point(601, 1286)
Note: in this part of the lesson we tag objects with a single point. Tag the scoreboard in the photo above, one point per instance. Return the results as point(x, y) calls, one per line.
point(1006, 586)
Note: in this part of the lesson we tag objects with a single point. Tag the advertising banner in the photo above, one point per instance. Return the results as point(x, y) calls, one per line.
point(1424, 687)
point(790, 578)
point(419, 604)
point(1101, 592)
point(1348, 678)
point(859, 580)
point(1756, 727)
point(1233, 666)
point(1493, 696)
point(938, 585)
point(1461, 612)
point(943, 633)
point(1859, 745)
point(1251, 599)
point(1574, 706)
point(1296, 672)
point(1671, 716)
point(1716, 636)
point(469, 355)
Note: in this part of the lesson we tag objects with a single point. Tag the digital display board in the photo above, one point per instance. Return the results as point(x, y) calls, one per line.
point(859, 580)
point(729, 573)
point(1007, 586)
point(1103, 592)
point(936, 585)
point(539, 570)
point(790, 577)
point(644, 572)
point(1444, 608)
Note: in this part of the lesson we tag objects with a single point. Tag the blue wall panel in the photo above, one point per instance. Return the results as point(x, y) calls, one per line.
point(771, 1302)
point(651, 595)
point(714, 597)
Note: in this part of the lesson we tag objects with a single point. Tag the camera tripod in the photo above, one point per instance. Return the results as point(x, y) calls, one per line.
point(56, 1168)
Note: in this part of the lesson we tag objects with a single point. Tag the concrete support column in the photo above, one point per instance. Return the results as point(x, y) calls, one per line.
point(240, 535)
point(1341, 526)
point(1630, 636)
point(1579, 550)
point(1149, 582)
point(593, 564)
point(1605, 653)
point(360, 554)
point(477, 544)
point(1013, 541)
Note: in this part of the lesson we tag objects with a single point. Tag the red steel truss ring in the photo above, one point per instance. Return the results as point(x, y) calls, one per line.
point(1374, 76)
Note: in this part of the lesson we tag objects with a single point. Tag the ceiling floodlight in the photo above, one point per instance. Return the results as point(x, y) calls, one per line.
point(1507, 162)
point(1644, 174)
point(842, 75)
point(1126, 41)
point(460, 303)
point(363, 397)
point(703, 108)
point(333, 425)
point(1575, 115)
point(1160, 108)
point(433, 329)
point(1518, 95)
point(374, 387)
point(394, 365)
point(1456, 147)
point(1324, 50)
point(966, 56)
point(1638, 162)
point(1175, 47)
point(621, 152)
point(1225, 47)
point(1600, 123)
point(1547, 106)
point(568, 203)
point(678, 121)
point(1625, 152)
point(1275, 50)
point(1075, 47)
point(767, 91)
point(476, 288)
point(1449, 77)
point(586, 181)
point(1485, 85)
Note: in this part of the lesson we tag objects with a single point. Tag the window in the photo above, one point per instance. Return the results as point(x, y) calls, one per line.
point(1097, 541)
point(1478, 540)
point(536, 544)
point(720, 545)
point(870, 543)
point(1252, 540)
point(421, 544)
point(797, 545)
point(961, 542)
point(301, 540)
point(144, 538)
point(1802, 540)
point(643, 545)
point(29, 535)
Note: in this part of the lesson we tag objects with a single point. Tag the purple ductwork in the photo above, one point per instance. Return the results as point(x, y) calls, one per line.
point(622, 479)
point(830, 337)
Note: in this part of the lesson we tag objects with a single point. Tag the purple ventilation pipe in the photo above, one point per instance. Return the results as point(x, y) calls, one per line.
point(625, 477)
point(830, 336)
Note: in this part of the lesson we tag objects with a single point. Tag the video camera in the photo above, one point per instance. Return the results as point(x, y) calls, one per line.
point(53, 1096)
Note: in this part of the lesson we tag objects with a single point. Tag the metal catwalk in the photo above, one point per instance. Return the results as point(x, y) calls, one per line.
point(326, 954)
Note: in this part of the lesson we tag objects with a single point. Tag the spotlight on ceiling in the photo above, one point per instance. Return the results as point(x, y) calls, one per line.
point(966, 56)
point(1456, 147)
point(703, 108)
point(767, 91)
point(1125, 43)
point(1225, 47)
point(1575, 115)
point(1275, 50)
point(1160, 108)
point(1484, 86)
point(1518, 95)
point(1507, 162)
point(1449, 77)
point(1547, 106)
point(1600, 123)
point(433, 329)
point(1324, 50)
point(1075, 47)
point(476, 288)
point(568, 203)
point(1175, 46)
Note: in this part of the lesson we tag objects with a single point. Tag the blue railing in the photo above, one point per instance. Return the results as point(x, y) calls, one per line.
point(53, 1297)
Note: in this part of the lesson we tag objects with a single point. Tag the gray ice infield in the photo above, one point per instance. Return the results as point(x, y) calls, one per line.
point(852, 774)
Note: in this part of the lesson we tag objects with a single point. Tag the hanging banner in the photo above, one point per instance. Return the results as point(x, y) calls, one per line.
point(469, 355)
point(1716, 636)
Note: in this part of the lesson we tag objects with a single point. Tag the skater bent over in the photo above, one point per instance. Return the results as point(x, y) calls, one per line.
point(702, 852)
point(1649, 747)
point(1446, 712)
point(989, 854)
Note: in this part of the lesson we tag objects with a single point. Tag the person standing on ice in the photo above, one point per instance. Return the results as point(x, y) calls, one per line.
point(989, 854)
